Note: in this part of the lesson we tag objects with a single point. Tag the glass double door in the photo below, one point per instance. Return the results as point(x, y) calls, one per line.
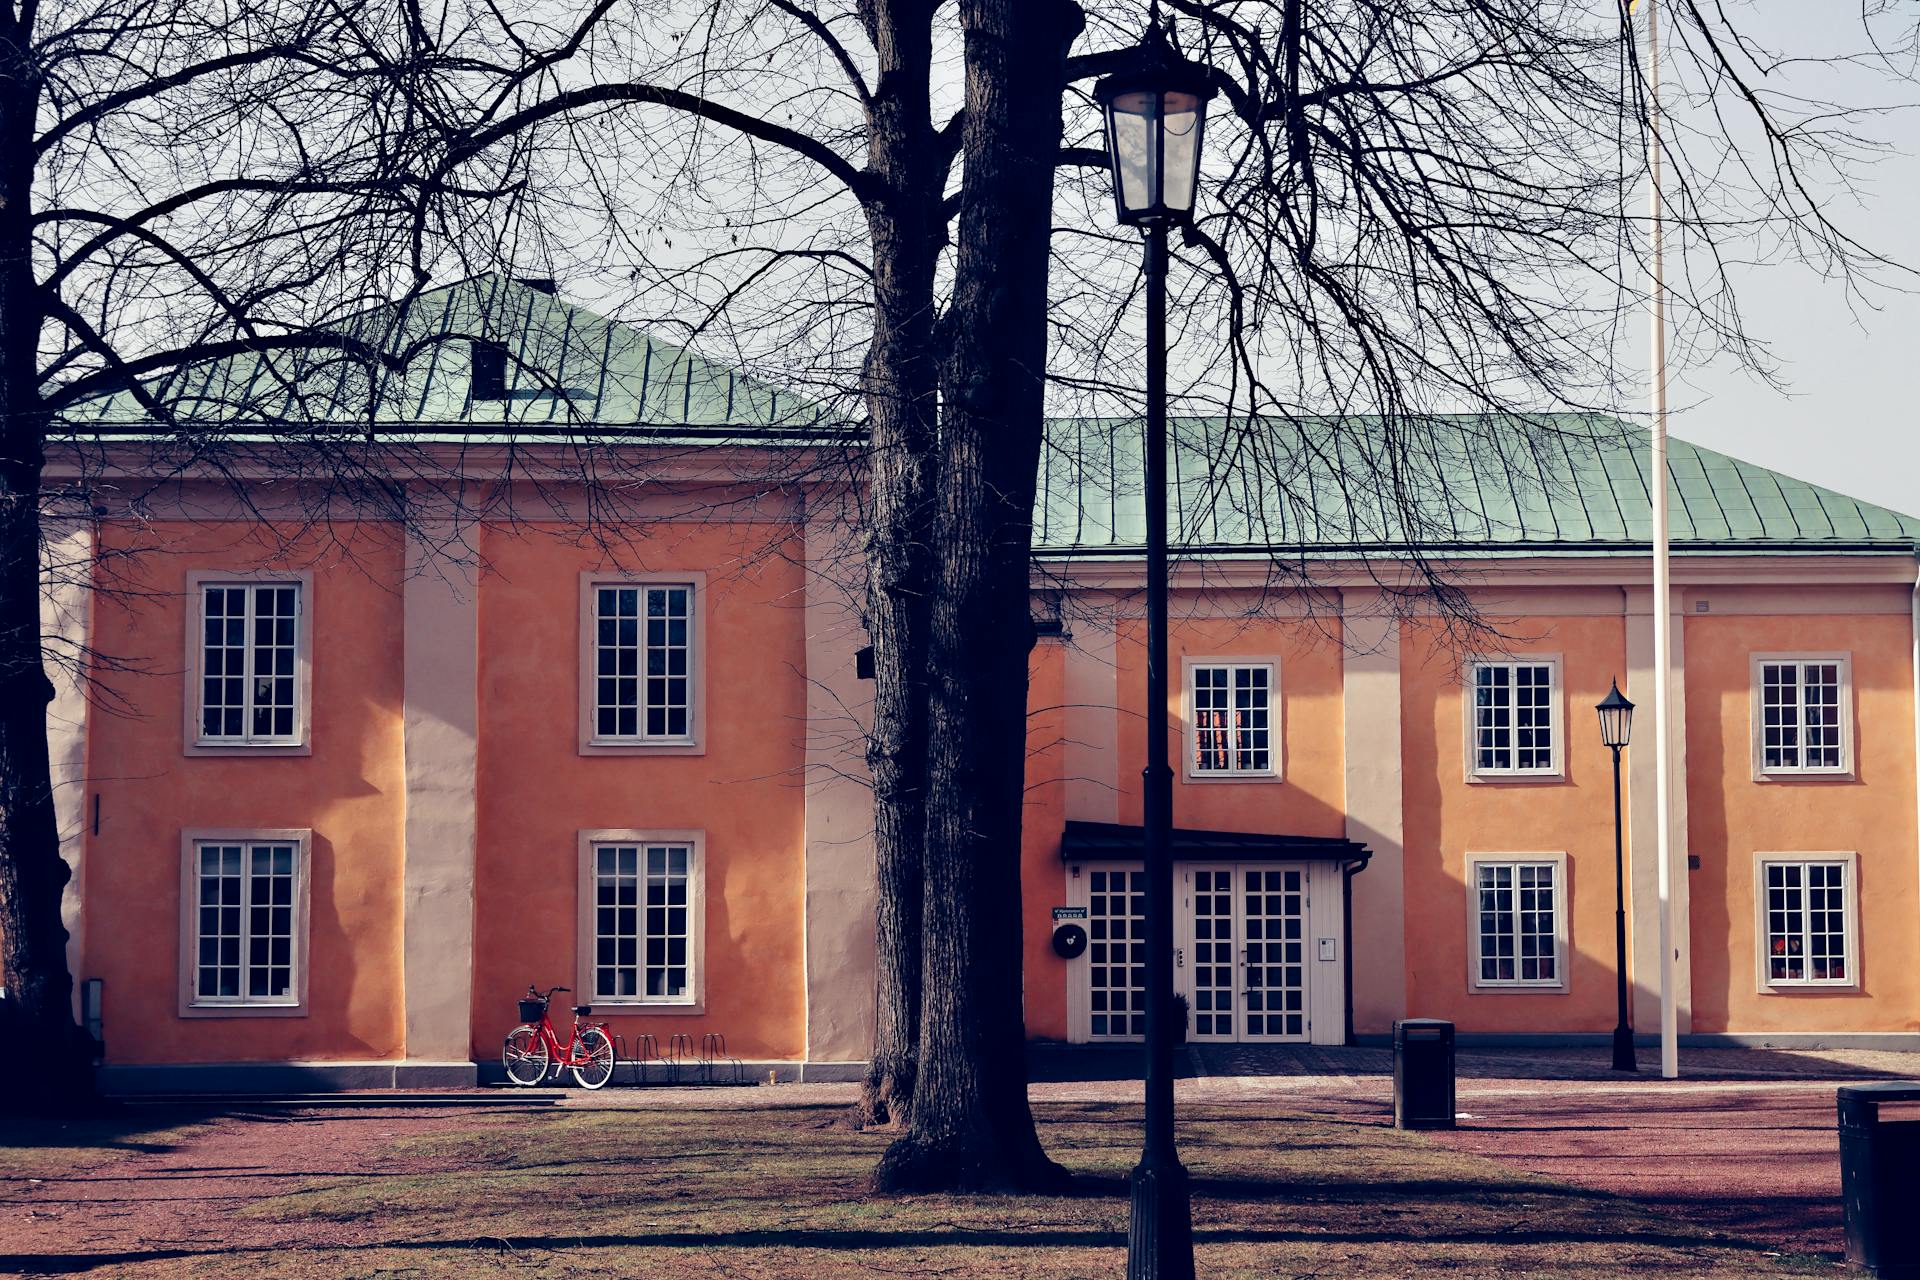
point(1241, 950)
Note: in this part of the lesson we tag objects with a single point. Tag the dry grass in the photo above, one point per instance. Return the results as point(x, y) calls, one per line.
point(780, 1193)
point(32, 1147)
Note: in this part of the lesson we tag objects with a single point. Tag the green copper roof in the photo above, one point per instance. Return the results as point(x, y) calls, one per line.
point(1449, 483)
point(1454, 484)
point(566, 368)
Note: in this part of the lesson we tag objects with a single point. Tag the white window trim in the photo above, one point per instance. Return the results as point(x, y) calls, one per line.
point(1276, 721)
point(695, 744)
point(1766, 984)
point(1556, 706)
point(695, 1001)
point(191, 1004)
point(1562, 912)
point(193, 742)
point(1756, 719)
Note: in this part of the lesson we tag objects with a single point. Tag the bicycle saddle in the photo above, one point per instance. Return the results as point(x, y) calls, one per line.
point(582, 1010)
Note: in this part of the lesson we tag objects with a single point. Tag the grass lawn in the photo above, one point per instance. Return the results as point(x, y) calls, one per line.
point(33, 1148)
point(780, 1193)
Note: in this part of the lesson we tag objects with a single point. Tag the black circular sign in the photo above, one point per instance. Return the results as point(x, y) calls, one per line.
point(1069, 940)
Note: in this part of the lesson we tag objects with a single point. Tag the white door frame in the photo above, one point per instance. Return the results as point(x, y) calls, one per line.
point(1324, 936)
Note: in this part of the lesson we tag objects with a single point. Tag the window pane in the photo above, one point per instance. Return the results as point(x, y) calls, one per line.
point(244, 931)
point(1232, 719)
point(1513, 717)
point(1517, 907)
point(625, 706)
point(1805, 918)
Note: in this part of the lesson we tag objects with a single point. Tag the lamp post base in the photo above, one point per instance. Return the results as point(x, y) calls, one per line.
point(1160, 1231)
point(1623, 1059)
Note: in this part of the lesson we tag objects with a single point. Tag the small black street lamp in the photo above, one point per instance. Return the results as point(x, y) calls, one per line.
point(1616, 725)
point(1155, 111)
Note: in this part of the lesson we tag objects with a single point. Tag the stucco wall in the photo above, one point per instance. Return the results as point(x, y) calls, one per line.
point(1732, 817)
point(1042, 820)
point(1447, 818)
point(1307, 799)
point(349, 791)
point(746, 791)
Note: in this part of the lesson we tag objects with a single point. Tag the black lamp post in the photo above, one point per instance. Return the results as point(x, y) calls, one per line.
point(1616, 725)
point(1154, 112)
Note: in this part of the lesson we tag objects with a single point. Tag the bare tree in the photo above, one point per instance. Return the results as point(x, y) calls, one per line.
point(1414, 211)
point(181, 183)
point(1419, 235)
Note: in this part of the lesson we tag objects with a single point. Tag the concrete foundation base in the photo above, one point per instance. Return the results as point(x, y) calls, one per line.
point(329, 1077)
point(1883, 1041)
point(284, 1077)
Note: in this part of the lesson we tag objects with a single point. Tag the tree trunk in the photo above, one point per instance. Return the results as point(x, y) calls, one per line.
point(900, 383)
point(971, 1128)
point(51, 1063)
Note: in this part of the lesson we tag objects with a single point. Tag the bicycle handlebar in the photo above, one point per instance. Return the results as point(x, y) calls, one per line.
point(535, 993)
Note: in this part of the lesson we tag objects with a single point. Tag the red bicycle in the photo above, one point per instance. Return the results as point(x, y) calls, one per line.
point(533, 1049)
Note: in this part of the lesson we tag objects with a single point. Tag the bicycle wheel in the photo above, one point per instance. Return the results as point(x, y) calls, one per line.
point(598, 1052)
point(525, 1056)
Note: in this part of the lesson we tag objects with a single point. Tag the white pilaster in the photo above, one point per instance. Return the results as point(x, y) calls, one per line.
point(1092, 758)
point(441, 728)
point(1643, 902)
point(840, 881)
point(1370, 695)
point(66, 619)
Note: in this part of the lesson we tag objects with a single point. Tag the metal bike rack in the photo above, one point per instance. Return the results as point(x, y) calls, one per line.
point(680, 1057)
point(714, 1058)
point(645, 1053)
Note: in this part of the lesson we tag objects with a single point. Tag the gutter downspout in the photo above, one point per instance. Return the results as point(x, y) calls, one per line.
point(1352, 867)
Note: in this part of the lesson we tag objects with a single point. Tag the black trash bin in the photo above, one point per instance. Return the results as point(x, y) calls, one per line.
point(1422, 1074)
point(1880, 1176)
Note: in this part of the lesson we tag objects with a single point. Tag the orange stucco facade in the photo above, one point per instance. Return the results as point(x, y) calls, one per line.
point(766, 792)
point(349, 791)
point(744, 790)
point(1734, 819)
point(1463, 816)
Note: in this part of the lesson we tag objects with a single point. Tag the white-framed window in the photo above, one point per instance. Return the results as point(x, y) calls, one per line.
point(1233, 728)
point(247, 658)
point(1802, 714)
point(1517, 922)
point(642, 897)
point(641, 678)
point(243, 935)
point(1806, 920)
point(1513, 719)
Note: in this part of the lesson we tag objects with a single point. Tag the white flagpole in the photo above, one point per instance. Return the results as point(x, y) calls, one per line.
point(1662, 593)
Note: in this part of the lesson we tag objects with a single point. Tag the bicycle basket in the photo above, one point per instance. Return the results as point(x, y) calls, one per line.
point(532, 1010)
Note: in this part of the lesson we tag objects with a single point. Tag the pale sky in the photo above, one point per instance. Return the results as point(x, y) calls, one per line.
point(1851, 420)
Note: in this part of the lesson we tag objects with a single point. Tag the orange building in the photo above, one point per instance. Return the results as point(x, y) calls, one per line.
point(340, 788)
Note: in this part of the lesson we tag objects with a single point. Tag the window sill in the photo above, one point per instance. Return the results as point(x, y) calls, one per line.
point(627, 747)
point(1517, 989)
point(191, 1010)
point(628, 1008)
point(1804, 775)
point(1269, 775)
point(198, 748)
point(1526, 779)
point(1809, 988)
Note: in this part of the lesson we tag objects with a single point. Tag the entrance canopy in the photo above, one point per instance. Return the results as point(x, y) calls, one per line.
point(1116, 842)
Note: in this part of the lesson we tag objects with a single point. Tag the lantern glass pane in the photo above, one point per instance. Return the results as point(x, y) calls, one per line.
point(1182, 149)
point(1131, 121)
point(1614, 725)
